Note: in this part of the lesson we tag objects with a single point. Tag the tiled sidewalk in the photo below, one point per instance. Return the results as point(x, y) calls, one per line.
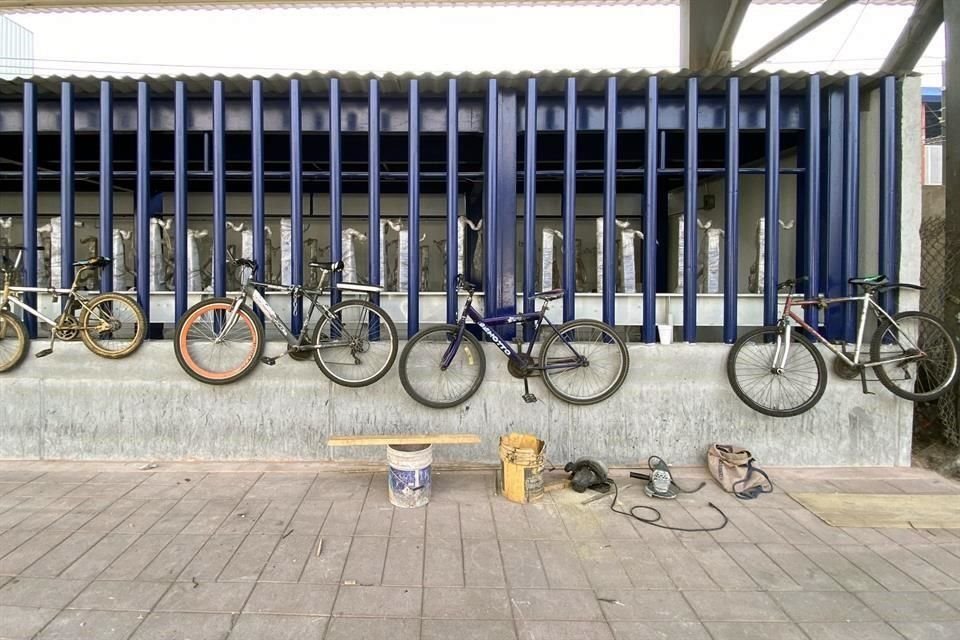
point(210, 551)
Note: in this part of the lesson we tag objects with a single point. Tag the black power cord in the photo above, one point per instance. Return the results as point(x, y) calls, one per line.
point(655, 520)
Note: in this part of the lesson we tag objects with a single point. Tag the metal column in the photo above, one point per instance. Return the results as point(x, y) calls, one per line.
point(609, 284)
point(650, 214)
point(530, 202)
point(452, 191)
point(142, 222)
point(296, 205)
point(569, 278)
point(809, 238)
point(336, 196)
point(831, 214)
point(691, 132)
point(500, 290)
point(373, 182)
point(413, 210)
point(180, 211)
point(219, 192)
point(851, 201)
point(771, 209)
point(30, 198)
point(889, 229)
point(67, 200)
point(731, 257)
point(256, 179)
point(106, 183)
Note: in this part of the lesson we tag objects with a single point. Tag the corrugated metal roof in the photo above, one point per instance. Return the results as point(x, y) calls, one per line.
point(468, 83)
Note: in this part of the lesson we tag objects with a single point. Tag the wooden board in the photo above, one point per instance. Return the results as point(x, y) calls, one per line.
point(422, 438)
point(941, 511)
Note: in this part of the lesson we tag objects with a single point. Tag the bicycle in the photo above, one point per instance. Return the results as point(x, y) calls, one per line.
point(443, 366)
point(111, 325)
point(220, 340)
point(779, 372)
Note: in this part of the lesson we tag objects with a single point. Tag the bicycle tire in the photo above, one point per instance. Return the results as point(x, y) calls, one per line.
point(385, 321)
point(95, 343)
point(12, 329)
point(940, 382)
point(603, 394)
point(796, 339)
point(473, 352)
point(188, 364)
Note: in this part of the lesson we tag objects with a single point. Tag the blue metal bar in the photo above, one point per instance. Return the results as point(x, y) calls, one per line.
point(336, 193)
point(142, 222)
point(413, 211)
point(569, 278)
point(373, 163)
point(609, 284)
point(30, 198)
point(453, 164)
point(771, 209)
point(489, 201)
point(219, 192)
point(501, 290)
point(296, 204)
point(256, 156)
point(67, 201)
point(180, 211)
point(851, 200)
point(650, 216)
point(690, 215)
point(810, 240)
point(831, 212)
point(530, 202)
point(889, 232)
point(106, 183)
point(731, 257)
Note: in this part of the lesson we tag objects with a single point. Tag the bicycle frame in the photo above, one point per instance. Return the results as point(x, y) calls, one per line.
point(7, 300)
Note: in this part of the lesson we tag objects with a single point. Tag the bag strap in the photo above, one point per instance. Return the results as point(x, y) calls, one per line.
point(752, 492)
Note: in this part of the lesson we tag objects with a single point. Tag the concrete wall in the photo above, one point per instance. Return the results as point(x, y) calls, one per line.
point(675, 402)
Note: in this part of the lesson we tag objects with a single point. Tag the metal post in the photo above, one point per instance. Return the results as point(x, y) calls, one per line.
point(889, 229)
point(30, 197)
point(501, 291)
point(143, 198)
point(609, 284)
point(530, 202)
point(296, 205)
point(771, 236)
point(413, 210)
point(569, 201)
point(67, 202)
point(219, 192)
point(373, 181)
point(810, 239)
point(831, 212)
point(731, 258)
point(180, 211)
point(106, 182)
point(851, 200)
point(256, 161)
point(690, 215)
point(336, 196)
point(452, 192)
point(650, 215)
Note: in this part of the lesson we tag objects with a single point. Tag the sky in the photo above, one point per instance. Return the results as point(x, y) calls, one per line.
point(442, 39)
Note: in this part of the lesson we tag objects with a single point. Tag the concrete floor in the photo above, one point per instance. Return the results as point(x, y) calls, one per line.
point(211, 551)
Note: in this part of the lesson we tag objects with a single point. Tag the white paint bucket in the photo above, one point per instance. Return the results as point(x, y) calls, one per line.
point(408, 474)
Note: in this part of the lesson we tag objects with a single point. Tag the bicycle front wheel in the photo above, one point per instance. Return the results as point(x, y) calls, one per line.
point(210, 354)
point(424, 379)
point(13, 341)
point(112, 325)
point(924, 353)
point(763, 385)
point(584, 362)
point(356, 344)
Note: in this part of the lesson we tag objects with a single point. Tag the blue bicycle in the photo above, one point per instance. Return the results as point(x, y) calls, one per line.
point(581, 362)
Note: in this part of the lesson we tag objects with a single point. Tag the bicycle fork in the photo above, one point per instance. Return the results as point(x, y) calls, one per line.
point(782, 352)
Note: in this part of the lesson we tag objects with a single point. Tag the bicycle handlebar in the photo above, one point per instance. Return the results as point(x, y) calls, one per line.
point(469, 287)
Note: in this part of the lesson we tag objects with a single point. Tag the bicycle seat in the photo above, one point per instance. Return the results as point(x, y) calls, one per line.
point(328, 266)
point(246, 262)
point(869, 281)
point(552, 294)
point(99, 261)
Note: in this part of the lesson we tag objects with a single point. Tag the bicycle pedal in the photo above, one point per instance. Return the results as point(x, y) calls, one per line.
point(44, 353)
point(268, 361)
point(529, 398)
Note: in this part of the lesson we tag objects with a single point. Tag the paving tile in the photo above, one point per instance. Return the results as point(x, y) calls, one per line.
point(938, 557)
point(375, 520)
point(799, 567)
point(373, 629)
point(878, 568)
point(952, 597)
point(130, 477)
point(644, 605)
point(404, 563)
point(916, 567)
point(443, 520)
point(95, 625)
point(764, 571)
point(928, 630)
point(21, 623)
point(40, 592)
point(580, 522)
point(309, 516)
point(30, 551)
point(340, 486)
point(73, 476)
point(791, 530)
point(471, 630)
point(285, 487)
point(327, 568)
point(740, 606)
point(212, 557)
point(205, 597)
point(561, 564)
point(63, 555)
point(365, 560)
point(243, 517)
point(824, 606)
point(848, 630)
point(391, 602)
point(563, 630)
point(681, 566)
point(659, 631)
point(934, 485)
point(902, 536)
point(476, 520)
point(113, 490)
point(909, 606)
point(231, 485)
point(111, 517)
point(847, 574)
point(342, 518)
point(755, 631)
point(300, 599)
point(289, 558)
point(718, 564)
point(20, 476)
point(250, 559)
point(11, 539)
point(178, 517)
point(409, 523)
point(114, 595)
point(554, 604)
point(43, 513)
point(173, 490)
point(99, 557)
point(257, 627)
point(132, 561)
point(43, 489)
point(642, 566)
point(174, 558)
point(867, 536)
point(443, 562)
point(482, 566)
point(463, 486)
point(466, 604)
point(210, 517)
point(510, 519)
point(141, 520)
point(614, 526)
point(755, 529)
point(196, 626)
point(522, 565)
point(819, 528)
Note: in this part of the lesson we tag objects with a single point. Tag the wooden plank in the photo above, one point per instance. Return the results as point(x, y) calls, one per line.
point(934, 511)
point(422, 438)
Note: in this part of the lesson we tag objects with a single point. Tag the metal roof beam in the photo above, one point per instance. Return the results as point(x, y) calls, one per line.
point(804, 26)
point(708, 29)
point(926, 18)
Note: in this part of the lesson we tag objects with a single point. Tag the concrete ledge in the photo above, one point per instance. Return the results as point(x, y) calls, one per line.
point(676, 401)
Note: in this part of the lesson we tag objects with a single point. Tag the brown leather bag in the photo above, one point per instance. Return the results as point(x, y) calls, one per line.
point(735, 469)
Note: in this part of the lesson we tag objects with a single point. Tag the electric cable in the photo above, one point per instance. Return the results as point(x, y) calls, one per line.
point(655, 520)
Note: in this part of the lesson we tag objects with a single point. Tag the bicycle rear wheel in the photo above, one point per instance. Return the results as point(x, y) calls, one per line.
point(756, 380)
point(584, 362)
point(13, 341)
point(923, 377)
point(356, 343)
point(221, 361)
point(426, 382)
point(112, 325)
